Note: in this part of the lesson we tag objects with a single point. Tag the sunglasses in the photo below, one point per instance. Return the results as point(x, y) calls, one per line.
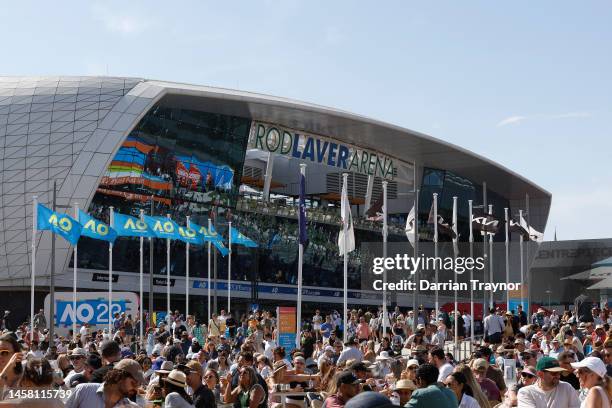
point(5, 353)
point(412, 368)
point(209, 376)
point(526, 375)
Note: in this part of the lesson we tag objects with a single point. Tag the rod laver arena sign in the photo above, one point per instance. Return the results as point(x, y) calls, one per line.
point(319, 149)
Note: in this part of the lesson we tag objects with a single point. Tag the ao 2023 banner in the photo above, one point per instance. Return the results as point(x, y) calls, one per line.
point(92, 308)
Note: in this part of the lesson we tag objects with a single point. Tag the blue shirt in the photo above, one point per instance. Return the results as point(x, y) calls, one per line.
point(326, 329)
point(91, 395)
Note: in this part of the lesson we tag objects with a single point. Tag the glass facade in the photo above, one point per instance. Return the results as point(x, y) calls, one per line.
point(448, 185)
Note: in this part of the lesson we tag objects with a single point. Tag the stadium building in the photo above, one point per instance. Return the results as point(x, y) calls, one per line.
point(222, 154)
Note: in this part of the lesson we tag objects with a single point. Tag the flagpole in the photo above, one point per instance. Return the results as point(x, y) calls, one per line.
point(187, 275)
point(300, 256)
point(74, 279)
point(522, 266)
point(507, 262)
point(209, 279)
point(416, 251)
point(110, 278)
point(385, 233)
point(491, 299)
point(229, 268)
point(471, 275)
point(141, 305)
point(33, 277)
point(456, 239)
point(345, 221)
point(168, 271)
point(528, 277)
point(435, 221)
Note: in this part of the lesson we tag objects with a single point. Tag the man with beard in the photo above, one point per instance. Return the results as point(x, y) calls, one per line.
point(120, 384)
point(548, 391)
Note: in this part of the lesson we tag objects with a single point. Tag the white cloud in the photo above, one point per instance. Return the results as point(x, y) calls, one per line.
point(120, 21)
point(511, 120)
point(518, 119)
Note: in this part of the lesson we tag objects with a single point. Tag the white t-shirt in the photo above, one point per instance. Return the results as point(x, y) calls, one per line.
point(468, 402)
point(562, 396)
point(444, 372)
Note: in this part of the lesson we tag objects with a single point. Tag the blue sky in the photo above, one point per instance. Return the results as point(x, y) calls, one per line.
point(527, 84)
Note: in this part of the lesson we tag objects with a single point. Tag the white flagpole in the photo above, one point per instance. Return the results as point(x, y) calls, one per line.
point(416, 251)
point(33, 277)
point(345, 219)
point(74, 279)
point(435, 220)
point(385, 234)
point(209, 278)
point(491, 299)
point(110, 278)
point(168, 271)
point(522, 266)
point(507, 262)
point(300, 268)
point(456, 239)
point(187, 275)
point(229, 268)
point(471, 275)
point(141, 305)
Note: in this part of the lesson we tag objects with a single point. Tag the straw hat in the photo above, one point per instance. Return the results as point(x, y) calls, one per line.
point(405, 385)
point(384, 355)
point(177, 378)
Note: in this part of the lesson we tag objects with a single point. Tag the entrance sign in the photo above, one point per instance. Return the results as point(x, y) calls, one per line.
point(322, 150)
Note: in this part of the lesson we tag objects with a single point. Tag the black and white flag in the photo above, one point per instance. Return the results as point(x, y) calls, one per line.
point(443, 227)
point(485, 223)
point(527, 231)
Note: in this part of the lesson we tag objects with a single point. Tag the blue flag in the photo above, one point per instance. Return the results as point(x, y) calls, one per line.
point(211, 236)
point(61, 224)
point(162, 227)
point(302, 215)
point(239, 239)
point(96, 229)
point(190, 235)
point(128, 226)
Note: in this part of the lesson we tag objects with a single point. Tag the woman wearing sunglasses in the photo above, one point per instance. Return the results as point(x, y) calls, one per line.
point(592, 376)
point(10, 362)
point(457, 383)
point(211, 380)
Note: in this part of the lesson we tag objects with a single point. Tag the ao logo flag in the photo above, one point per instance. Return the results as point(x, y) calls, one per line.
point(96, 229)
point(128, 226)
point(162, 227)
point(189, 235)
point(239, 239)
point(211, 236)
point(61, 224)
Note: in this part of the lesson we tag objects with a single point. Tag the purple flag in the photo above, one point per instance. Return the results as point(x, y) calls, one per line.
point(303, 235)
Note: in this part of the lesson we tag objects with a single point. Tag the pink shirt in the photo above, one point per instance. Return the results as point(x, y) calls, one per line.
point(363, 331)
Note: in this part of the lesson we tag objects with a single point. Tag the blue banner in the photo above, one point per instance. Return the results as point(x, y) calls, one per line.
point(190, 235)
point(239, 239)
point(61, 224)
point(128, 226)
point(162, 227)
point(96, 229)
point(211, 236)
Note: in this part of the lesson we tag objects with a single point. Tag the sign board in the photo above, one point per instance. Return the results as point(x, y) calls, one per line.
point(326, 151)
point(92, 308)
point(286, 327)
point(162, 281)
point(103, 277)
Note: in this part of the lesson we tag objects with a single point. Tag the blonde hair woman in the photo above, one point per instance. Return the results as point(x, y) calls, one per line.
point(592, 376)
point(471, 381)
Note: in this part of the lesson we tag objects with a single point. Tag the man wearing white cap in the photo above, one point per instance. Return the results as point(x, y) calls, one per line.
point(328, 353)
point(592, 376)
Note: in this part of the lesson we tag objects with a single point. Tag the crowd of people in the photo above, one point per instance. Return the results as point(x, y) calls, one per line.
point(542, 360)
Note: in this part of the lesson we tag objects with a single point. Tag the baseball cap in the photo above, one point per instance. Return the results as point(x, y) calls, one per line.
point(412, 362)
point(530, 370)
point(329, 348)
point(359, 366)
point(594, 364)
point(347, 377)
point(131, 367)
point(481, 363)
point(549, 364)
